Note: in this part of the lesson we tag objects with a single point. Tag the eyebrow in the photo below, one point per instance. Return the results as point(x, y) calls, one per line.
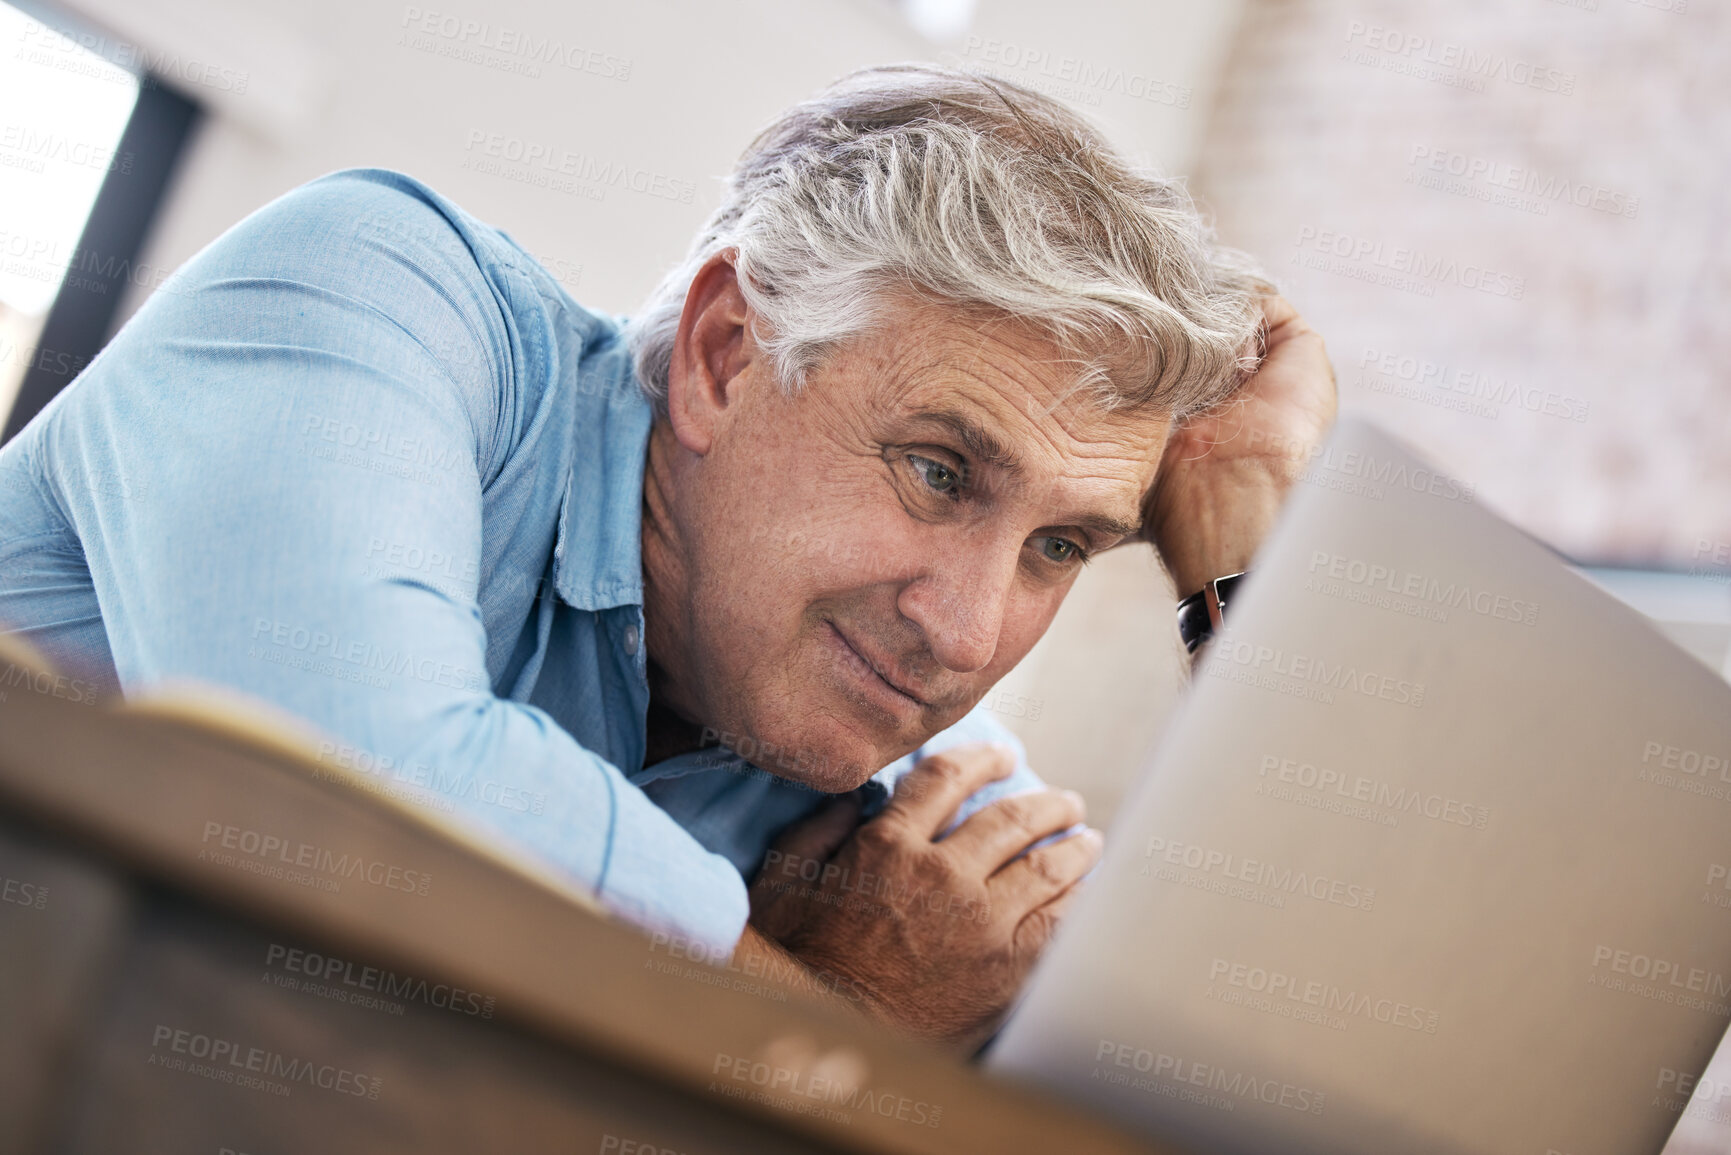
point(986, 447)
point(1111, 526)
point(979, 441)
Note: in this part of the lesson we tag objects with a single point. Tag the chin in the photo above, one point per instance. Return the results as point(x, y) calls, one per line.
point(819, 751)
point(830, 757)
point(832, 766)
point(819, 731)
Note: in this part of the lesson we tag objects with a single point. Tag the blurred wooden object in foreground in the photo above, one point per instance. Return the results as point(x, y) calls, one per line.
point(211, 941)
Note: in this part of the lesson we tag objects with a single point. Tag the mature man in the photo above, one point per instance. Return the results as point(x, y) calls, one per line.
point(364, 459)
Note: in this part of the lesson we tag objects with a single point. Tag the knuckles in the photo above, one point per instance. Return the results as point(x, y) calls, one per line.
point(943, 766)
point(1046, 865)
point(880, 837)
point(1035, 930)
point(1020, 813)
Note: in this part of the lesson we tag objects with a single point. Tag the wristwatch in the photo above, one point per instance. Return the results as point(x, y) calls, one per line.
point(1203, 613)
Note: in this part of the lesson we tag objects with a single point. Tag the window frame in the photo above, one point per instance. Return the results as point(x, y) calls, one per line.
point(78, 322)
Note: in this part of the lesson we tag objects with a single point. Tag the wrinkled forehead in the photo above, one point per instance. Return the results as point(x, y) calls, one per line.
point(1008, 391)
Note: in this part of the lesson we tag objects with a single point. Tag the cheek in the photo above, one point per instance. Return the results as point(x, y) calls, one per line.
point(1026, 620)
point(762, 589)
point(829, 555)
point(843, 529)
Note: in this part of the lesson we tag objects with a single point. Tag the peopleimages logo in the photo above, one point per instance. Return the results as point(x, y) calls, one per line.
point(1327, 998)
point(1661, 972)
point(1687, 761)
point(862, 891)
point(721, 967)
point(1416, 52)
point(1231, 1087)
point(547, 159)
point(807, 1092)
point(227, 1061)
point(1321, 782)
point(1690, 771)
point(1400, 263)
point(1518, 186)
point(16, 676)
point(41, 147)
point(1086, 75)
point(1305, 676)
point(1468, 385)
point(527, 47)
point(338, 973)
point(83, 267)
point(1406, 584)
point(1703, 1089)
point(364, 659)
point(1712, 560)
point(1280, 880)
point(384, 443)
point(28, 894)
point(1370, 476)
point(66, 52)
point(1717, 877)
point(268, 854)
point(421, 776)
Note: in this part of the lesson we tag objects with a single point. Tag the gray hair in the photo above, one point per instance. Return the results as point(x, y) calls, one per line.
point(978, 194)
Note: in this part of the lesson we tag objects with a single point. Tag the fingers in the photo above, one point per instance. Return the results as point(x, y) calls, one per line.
point(928, 796)
point(999, 832)
point(1038, 925)
point(1277, 311)
point(817, 837)
point(1041, 875)
point(1284, 324)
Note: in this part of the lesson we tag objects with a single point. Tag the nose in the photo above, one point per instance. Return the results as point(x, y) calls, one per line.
point(959, 603)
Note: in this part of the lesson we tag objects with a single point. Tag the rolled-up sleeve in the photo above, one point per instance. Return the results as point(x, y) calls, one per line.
point(322, 381)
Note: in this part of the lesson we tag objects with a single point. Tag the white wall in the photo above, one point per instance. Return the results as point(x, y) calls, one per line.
point(297, 90)
point(331, 84)
point(1509, 220)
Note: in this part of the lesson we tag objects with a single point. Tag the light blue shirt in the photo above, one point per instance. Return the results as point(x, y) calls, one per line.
point(365, 459)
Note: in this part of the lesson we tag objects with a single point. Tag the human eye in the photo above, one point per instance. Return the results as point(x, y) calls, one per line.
point(1062, 551)
point(938, 477)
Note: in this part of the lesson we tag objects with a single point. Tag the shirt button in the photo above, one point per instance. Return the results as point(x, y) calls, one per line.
point(631, 639)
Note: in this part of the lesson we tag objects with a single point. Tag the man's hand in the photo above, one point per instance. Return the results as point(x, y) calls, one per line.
point(935, 936)
point(1225, 472)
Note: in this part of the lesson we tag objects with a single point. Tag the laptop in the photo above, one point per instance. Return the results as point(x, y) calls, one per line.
point(1436, 857)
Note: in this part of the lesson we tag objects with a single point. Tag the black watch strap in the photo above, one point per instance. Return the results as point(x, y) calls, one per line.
point(1202, 614)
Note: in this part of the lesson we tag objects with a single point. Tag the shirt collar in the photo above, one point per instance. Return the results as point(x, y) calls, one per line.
point(597, 557)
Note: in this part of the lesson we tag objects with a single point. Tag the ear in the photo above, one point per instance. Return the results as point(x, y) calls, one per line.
point(711, 349)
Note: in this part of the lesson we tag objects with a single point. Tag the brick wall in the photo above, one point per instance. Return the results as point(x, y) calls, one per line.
point(1509, 220)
